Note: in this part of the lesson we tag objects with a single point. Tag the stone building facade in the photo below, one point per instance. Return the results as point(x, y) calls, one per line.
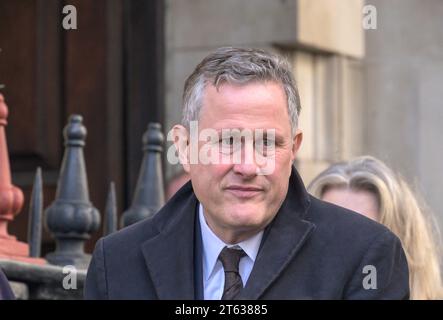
point(363, 91)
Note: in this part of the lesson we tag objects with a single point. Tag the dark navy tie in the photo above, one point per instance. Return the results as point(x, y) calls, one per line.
point(230, 258)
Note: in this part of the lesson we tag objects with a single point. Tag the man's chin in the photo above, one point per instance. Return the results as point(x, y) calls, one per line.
point(247, 219)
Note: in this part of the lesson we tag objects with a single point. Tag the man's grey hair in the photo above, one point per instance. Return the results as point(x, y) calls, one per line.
point(238, 66)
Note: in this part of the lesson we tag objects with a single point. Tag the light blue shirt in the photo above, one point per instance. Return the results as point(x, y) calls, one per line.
point(213, 273)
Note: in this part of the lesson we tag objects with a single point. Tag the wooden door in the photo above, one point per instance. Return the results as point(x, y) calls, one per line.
point(109, 70)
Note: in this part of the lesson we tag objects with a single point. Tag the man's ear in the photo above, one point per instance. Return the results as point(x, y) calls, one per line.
point(298, 137)
point(181, 142)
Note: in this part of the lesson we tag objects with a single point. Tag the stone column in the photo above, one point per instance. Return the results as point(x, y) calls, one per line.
point(11, 201)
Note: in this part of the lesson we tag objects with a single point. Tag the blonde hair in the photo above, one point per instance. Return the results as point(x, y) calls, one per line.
point(399, 210)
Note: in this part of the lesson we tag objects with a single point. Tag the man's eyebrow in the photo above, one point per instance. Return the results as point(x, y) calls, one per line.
point(241, 129)
point(277, 136)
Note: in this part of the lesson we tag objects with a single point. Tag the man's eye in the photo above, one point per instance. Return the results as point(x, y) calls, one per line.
point(266, 142)
point(228, 141)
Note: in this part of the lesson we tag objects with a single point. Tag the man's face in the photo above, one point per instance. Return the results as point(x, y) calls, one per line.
point(239, 202)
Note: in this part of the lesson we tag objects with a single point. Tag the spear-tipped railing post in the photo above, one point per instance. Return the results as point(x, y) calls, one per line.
point(35, 216)
point(149, 193)
point(110, 223)
point(71, 218)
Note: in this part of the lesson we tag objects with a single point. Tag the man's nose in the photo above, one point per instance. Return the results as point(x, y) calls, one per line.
point(246, 170)
point(247, 165)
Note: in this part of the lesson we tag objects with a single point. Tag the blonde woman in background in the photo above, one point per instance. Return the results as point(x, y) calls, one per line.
point(366, 185)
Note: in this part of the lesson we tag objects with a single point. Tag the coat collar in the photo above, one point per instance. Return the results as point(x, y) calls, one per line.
point(169, 255)
point(282, 240)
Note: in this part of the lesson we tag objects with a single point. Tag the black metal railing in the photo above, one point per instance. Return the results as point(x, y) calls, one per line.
point(71, 218)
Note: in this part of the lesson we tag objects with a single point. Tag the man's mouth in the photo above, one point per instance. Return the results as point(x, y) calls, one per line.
point(242, 191)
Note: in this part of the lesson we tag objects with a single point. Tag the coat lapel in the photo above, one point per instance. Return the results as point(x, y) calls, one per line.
point(282, 239)
point(170, 254)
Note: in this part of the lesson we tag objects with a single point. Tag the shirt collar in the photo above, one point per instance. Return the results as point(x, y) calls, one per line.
point(213, 245)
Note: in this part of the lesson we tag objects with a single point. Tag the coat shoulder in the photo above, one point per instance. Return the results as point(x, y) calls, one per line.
point(168, 216)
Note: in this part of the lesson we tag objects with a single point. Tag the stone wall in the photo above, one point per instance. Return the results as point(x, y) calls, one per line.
point(196, 27)
point(363, 91)
point(403, 71)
